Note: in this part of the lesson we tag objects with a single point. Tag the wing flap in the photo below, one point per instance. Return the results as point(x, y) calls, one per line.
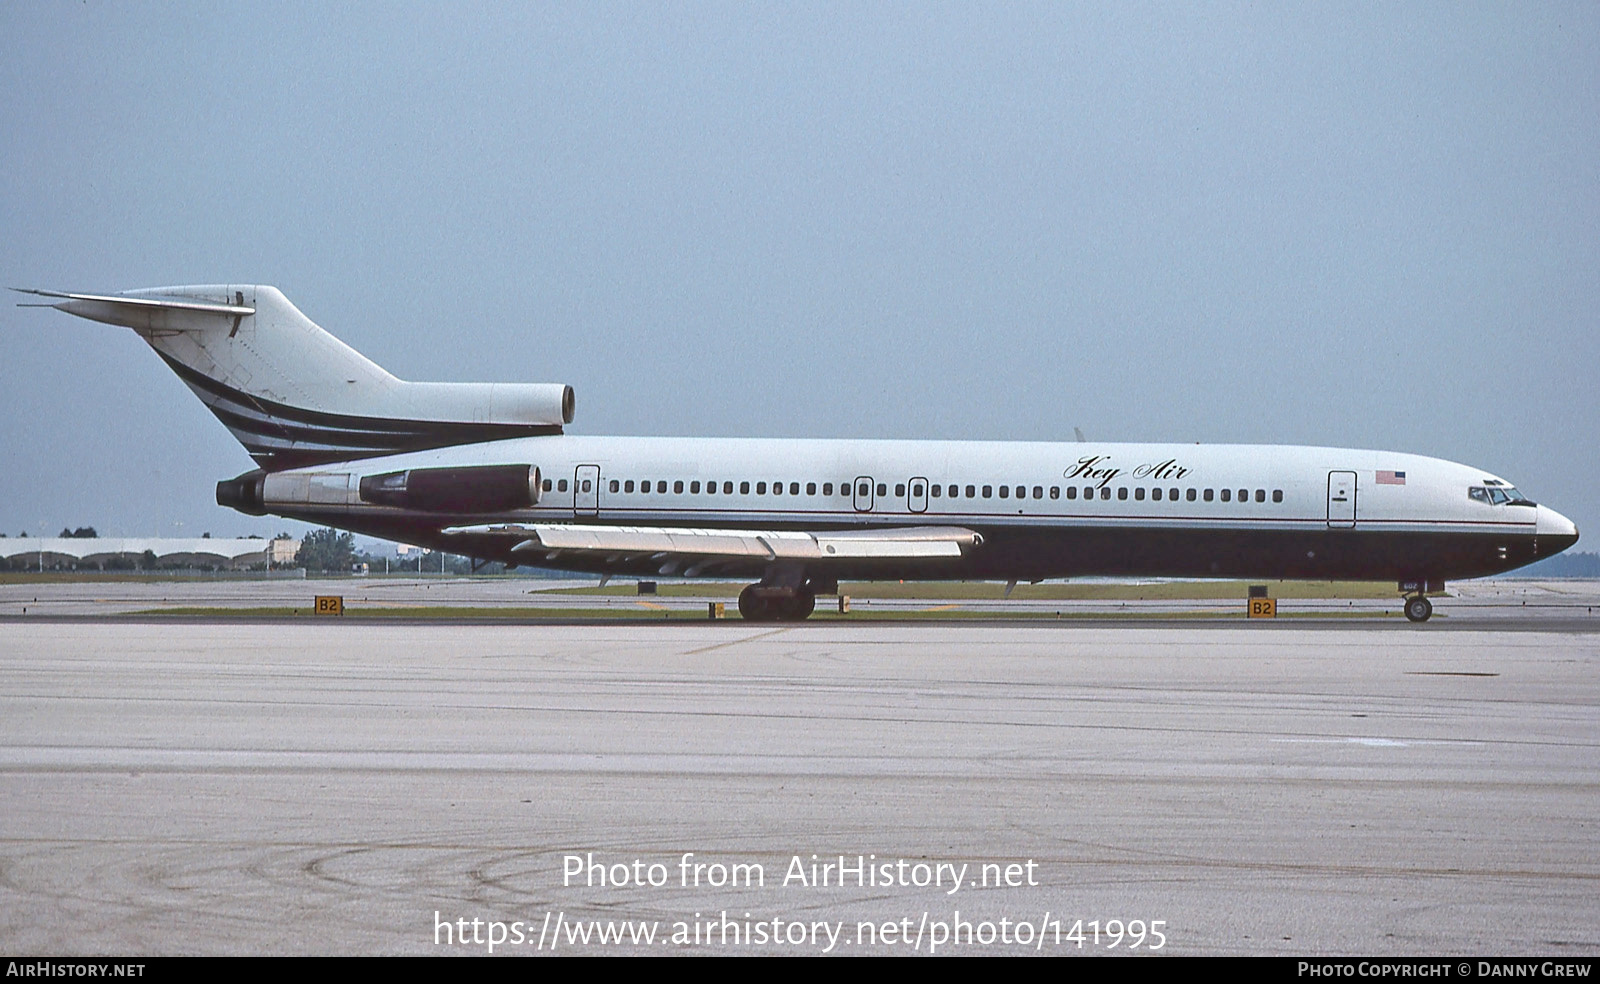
point(908, 543)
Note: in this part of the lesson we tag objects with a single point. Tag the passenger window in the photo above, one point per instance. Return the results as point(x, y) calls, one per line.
point(1138, 493)
point(883, 490)
point(827, 488)
point(794, 488)
point(588, 486)
point(900, 490)
point(936, 489)
point(1208, 495)
point(1022, 491)
point(811, 488)
point(1122, 493)
point(777, 488)
point(955, 492)
point(1244, 495)
point(628, 485)
point(677, 487)
point(561, 486)
point(1055, 491)
point(1072, 491)
point(1261, 495)
point(547, 485)
point(1227, 495)
point(744, 488)
point(613, 485)
point(1190, 495)
point(1005, 491)
point(694, 488)
point(988, 490)
point(727, 488)
point(1277, 495)
point(864, 490)
point(972, 491)
point(1105, 493)
point(916, 489)
point(761, 488)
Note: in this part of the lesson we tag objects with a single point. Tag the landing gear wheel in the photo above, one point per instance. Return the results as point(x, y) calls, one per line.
point(1418, 608)
point(798, 608)
point(756, 605)
point(753, 607)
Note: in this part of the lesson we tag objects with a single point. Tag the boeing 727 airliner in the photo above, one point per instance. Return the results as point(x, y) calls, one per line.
point(487, 470)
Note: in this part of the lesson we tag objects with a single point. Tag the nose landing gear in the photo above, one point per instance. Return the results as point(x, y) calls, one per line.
point(1418, 608)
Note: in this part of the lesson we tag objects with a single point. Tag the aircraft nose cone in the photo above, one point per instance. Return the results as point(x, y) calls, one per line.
point(1556, 528)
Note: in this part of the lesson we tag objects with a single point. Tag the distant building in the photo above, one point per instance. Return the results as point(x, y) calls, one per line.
point(130, 553)
point(281, 553)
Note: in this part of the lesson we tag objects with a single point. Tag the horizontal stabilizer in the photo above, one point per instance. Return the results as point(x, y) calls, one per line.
point(137, 309)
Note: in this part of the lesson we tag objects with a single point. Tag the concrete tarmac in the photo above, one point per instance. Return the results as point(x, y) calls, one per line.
point(1516, 599)
point(281, 787)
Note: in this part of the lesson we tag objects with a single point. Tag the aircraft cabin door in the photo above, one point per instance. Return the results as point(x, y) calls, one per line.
point(917, 495)
point(862, 493)
point(586, 491)
point(1341, 500)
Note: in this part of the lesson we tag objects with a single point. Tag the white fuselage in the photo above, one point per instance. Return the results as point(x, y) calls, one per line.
point(1200, 497)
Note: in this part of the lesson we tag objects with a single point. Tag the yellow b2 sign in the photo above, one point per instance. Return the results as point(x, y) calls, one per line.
point(330, 605)
point(1263, 608)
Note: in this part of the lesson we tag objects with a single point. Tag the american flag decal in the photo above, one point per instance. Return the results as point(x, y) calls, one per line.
point(1391, 478)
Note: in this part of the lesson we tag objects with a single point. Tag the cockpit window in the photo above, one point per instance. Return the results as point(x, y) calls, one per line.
point(1498, 495)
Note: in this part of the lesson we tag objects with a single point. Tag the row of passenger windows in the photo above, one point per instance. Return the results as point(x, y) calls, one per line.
point(866, 490)
point(1173, 495)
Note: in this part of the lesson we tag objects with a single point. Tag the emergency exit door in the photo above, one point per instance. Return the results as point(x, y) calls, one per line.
point(586, 491)
point(861, 493)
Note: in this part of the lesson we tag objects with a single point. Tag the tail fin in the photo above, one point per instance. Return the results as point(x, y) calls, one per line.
point(294, 395)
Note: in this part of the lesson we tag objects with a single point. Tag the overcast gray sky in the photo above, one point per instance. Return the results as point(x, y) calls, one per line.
point(1363, 225)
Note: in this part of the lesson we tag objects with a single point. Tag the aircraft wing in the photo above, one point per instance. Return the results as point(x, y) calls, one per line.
point(675, 547)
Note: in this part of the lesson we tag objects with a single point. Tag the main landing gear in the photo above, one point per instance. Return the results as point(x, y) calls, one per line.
point(786, 594)
point(770, 603)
